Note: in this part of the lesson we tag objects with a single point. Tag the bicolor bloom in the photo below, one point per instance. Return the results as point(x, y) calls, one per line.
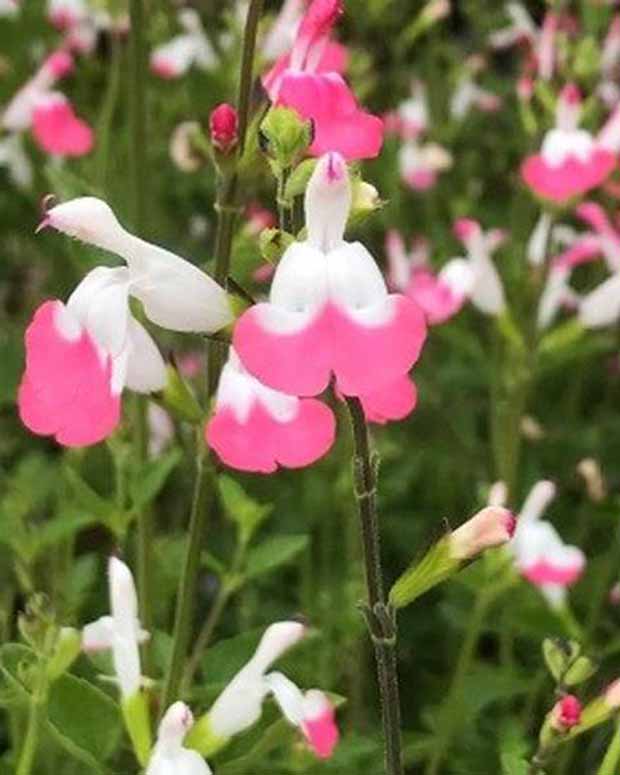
point(309, 81)
point(571, 161)
point(169, 756)
point(173, 59)
point(523, 29)
point(439, 295)
point(420, 164)
point(66, 14)
point(239, 706)
point(412, 116)
point(487, 291)
point(540, 554)
point(329, 311)
point(79, 356)
point(120, 632)
point(491, 527)
point(468, 94)
point(255, 428)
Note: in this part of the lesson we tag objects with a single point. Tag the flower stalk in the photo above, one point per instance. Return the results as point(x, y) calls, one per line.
point(379, 616)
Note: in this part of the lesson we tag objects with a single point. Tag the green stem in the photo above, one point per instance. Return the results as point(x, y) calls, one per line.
point(36, 718)
point(189, 576)
point(379, 618)
point(106, 115)
point(137, 159)
point(609, 765)
point(453, 703)
point(206, 634)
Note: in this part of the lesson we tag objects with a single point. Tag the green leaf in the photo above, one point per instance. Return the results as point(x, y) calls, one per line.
point(149, 480)
point(241, 509)
point(86, 718)
point(93, 504)
point(273, 553)
point(514, 765)
point(16, 661)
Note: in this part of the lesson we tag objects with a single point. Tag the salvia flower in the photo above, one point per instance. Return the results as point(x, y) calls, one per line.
point(239, 706)
point(540, 554)
point(169, 756)
point(311, 84)
point(469, 94)
point(487, 291)
point(81, 355)
point(491, 527)
point(571, 160)
point(255, 428)
point(174, 58)
point(120, 632)
point(329, 311)
point(439, 295)
point(420, 164)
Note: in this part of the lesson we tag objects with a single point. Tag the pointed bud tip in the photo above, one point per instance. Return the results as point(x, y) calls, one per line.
point(566, 713)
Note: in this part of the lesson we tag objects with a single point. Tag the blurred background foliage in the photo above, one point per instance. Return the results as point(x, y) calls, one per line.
point(63, 512)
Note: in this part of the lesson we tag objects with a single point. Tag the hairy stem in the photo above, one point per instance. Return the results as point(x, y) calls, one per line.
point(379, 618)
point(226, 208)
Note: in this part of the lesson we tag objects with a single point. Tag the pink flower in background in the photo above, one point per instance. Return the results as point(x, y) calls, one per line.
point(541, 42)
point(57, 130)
point(440, 295)
point(66, 14)
point(411, 118)
point(255, 428)
point(81, 355)
point(310, 83)
point(239, 706)
point(420, 165)
point(328, 299)
point(468, 94)
point(540, 554)
point(173, 59)
point(571, 160)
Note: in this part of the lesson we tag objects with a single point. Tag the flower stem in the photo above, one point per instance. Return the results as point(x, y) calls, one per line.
point(453, 705)
point(610, 763)
point(189, 576)
point(137, 160)
point(226, 208)
point(379, 617)
point(36, 718)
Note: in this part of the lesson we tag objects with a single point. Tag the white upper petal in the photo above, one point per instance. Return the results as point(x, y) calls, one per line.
point(553, 296)
point(537, 501)
point(560, 144)
point(328, 202)
point(300, 282)
point(601, 307)
point(146, 370)
point(98, 635)
point(178, 53)
point(458, 275)
point(289, 697)
point(488, 292)
point(354, 279)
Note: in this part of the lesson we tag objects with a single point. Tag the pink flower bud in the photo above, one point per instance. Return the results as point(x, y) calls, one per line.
point(566, 713)
point(59, 64)
point(493, 526)
point(224, 127)
point(612, 694)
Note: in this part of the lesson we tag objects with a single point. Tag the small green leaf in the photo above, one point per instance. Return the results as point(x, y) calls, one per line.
point(149, 480)
point(241, 509)
point(556, 657)
point(273, 553)
point(90, 502)
point(581, 669)
point(296, 184)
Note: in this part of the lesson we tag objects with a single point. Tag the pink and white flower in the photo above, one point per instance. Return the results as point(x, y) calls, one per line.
point(571, 161)
point(468, 94)
point(329, 311)
point(420, 164)
point(540, 554)
point(67, 14)
point(169, 756)
point(173, 59)
point(523, 29)
point(81, 355)
point(442, 295)
point(411, 118)
point(309, 81)
point(239, 706)
point(120, 632)
point(490, 528)
point(487, 291)
point(255, 428)
point(57, 130)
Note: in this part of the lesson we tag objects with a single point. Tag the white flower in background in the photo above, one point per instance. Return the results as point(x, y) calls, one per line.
point(174, 58)
point(169, 757)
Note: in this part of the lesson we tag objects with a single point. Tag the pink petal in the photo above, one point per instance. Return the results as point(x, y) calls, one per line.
point(392, 402)
point(544, 572)
point(334, 59)
point(364, 354)
point(65, 390)
point(437, 299)
point(58, 131)
point(261, 443)
point(421, 179)
point(339, 124)
point(164, 68)
point(322, 733)
point(571, 178)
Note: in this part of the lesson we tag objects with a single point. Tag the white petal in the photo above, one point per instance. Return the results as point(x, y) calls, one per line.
point(601, 307)
point(300, 282)
point(537, 245)
point(277, 639)
point(177, 55)
point(123, 597)
point(13, 156)
point(458, 275)
point(488, 291)
point(126, 658)
point(288, 696)
point(328, 202)
point(355, 281)
point(146, 370)
point(98, 635)
point(553, 296)
point(538, 500)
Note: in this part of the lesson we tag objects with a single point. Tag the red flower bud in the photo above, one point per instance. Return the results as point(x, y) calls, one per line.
point(566, 713)
point(224, 127)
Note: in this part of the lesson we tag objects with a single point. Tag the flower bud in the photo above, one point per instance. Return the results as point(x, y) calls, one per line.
point(565, 714)
point(612, 694)
point(224, 128)
point(285, 136)
point(491, 527)
point(186, 146)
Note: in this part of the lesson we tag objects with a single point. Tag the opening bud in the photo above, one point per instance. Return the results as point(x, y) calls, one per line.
point(224, 128)
point(491, 527)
